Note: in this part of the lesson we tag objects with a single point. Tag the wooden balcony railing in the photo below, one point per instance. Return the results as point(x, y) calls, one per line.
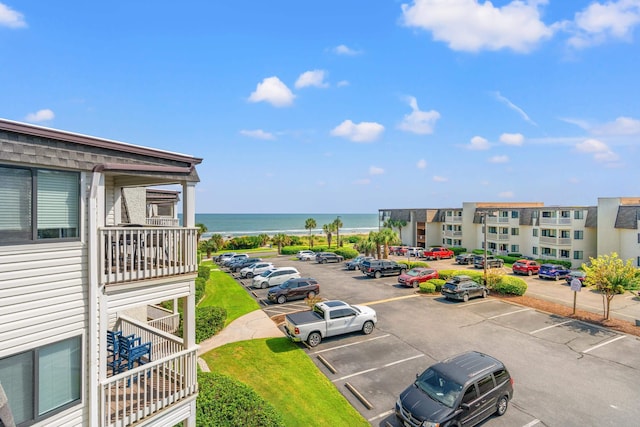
point(138, 253)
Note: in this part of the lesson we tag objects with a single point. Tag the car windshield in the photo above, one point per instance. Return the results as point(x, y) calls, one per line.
point(413, 272)
point(266, 273)
point(438, 387)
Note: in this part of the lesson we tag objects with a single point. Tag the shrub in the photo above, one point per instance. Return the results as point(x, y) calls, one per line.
point(353, 239)
point(510, 285)
point(201, 284)
point(438, 283)
point(209, 321)
point(427, 287)
point(347, 253)
point(224, 401)
point(292, 250)
point(204, 270)
point(510, 259)
point(413, 264)
point(458, 250)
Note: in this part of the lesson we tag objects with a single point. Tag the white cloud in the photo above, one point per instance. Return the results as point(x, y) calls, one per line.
point(620, 126)
point(374, 170)
point(311, 78)
point(40, 116)
point(420, 122)
point(505, 194)
point(342, 83)
point(601, 151)
point(512, 138)
point(468, 25)
point(437, 178)
point(515, 108)
point(10, 18)
point(361, 132)
point(478, 143)
point(273, 91)
point(258, 134)
point(499, 159)
point(364, 181)
point(422, 164)
point(345, 50)
point(600, 22)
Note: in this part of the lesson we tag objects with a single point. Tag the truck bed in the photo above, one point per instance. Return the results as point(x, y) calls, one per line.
point(303, 317)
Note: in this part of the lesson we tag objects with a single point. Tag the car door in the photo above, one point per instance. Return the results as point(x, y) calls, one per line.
point(473, 289)
point(296, 290)
point(488, 395)
point(468, 405)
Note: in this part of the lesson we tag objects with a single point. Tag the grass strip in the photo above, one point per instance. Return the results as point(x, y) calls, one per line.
point(282, 373)
point(223, 291)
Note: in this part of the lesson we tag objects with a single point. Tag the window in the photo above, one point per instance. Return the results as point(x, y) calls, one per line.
point(535, 232)
point(579, 235)
point(504, 230)
point(470, 394)
point(564, 253)
point(485, 384)
point(565, 234)
point(548, 214)
point(578, 255)
point(38, 204)
point(504, 214)
point(548, 232)
point(515, 214)
point(515, 231)
point(549, 252)
point(493, 229)
point(515, 248)
point(535, 250)
point(565, 214)
point(501, 376)
point(43, 381)
point(578, 214)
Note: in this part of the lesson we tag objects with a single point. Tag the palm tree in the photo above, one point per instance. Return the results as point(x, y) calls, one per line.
point(263, 238)
point(387, 237)
point(367, 246)
point(310, 224)
point(374, 237)
point(281, 240)
point(328, 230)
point(401, 223)
point(337, 223)
point(201, 229)
point(217, 242)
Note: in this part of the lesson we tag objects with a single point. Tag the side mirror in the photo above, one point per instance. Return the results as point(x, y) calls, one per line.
point(417, 375)
point(465, 406)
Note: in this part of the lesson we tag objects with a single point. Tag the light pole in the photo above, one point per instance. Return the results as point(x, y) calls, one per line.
point(484, 230)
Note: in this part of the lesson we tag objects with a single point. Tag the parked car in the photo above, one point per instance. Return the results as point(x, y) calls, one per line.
point(255, 269)
point(553, 271)
point(354, 264)
point(329, 318)
point(463, 288)
point(294, 289)
point(415, 252)
point(274, 277)
point(325, 257)
point(417, 275)
point(526, 267)
point(242, 263)
point(226, 262)
point(382, 267)
point(223, 257)
point(461, 390)
point(465, 259)
point(492, 261)
point(307, 253)
point(308, 256)
point(576, 274)
point(437, 253)
point(399, 250)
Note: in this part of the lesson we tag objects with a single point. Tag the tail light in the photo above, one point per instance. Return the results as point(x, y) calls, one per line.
point(296, 330)
point(511, 381)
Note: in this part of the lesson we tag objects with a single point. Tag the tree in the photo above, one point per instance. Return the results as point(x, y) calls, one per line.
point(280, 240)
point(610, 275)
point(201, 229)
point(337, 223)
point(387, 237)
point(368, 247)
point(328, 230)
point(217, 242)
point(310, 224)
point(400, 223)
point(375, 238)
point(263, 238)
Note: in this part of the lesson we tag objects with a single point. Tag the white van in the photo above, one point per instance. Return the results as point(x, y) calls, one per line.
point(255, 269)
point(274, 277)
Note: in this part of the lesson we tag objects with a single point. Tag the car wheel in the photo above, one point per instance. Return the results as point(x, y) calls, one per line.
point(282, 299)
point(416, 284)
point(367, 328)
point(438, 258)
point(311, 294)
point(314, 339)
point(465, 298)
point(377, 275)
point(484, 294)
point(556, 278)
point(402, 271)
point(263, 285)
point(502, 405)
point(529, 272)
point(324, 261)
point(249, 275)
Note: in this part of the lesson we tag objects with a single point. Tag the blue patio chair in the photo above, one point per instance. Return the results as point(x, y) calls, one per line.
point(133, 352)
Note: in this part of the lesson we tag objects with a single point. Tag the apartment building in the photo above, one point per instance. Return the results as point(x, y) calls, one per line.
point(569, 233)
point(89, 248)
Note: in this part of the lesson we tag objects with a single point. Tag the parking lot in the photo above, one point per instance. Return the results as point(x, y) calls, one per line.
point(566, 373)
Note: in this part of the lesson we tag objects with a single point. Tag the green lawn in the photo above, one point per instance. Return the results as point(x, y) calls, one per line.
point(223, 291)
point(283, 374)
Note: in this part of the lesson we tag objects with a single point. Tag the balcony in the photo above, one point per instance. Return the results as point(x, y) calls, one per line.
point(555, 241)
point(140, 253)
point(144, 391)
point(159, 221)
point(555, 221)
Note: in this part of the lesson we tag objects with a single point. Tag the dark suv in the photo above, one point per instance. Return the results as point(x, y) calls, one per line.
point(325, 257)
point(492, 261)
point(462, 390)
point(382, 267)
point(463, 288)
point(303, 287)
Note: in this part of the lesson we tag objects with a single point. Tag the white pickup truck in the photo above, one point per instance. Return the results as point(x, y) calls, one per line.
point(327, 319)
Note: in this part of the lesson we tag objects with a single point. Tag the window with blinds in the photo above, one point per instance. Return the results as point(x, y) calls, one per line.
point(38, 204)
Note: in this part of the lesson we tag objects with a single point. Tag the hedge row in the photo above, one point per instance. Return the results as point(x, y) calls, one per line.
point(499, 283)
point(224, 401)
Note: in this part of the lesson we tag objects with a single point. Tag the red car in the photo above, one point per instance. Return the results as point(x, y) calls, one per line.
point(526, 267)
point(437, 253)
point(415, 276)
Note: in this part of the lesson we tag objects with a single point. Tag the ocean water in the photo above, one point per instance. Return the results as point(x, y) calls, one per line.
point(233, 225)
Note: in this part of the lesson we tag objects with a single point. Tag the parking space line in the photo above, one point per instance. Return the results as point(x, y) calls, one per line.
point(532, 423)
point(353, 343)
point(509, 313)
point(382, 415)
point(482, 301)
point(549, 327)
point(604, 343)
point(389, 300)
point(366, 371)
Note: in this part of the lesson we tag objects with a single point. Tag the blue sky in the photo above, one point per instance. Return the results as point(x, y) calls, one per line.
point(345, 106)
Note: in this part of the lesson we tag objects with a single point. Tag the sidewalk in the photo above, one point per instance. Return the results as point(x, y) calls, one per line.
point(250, 326)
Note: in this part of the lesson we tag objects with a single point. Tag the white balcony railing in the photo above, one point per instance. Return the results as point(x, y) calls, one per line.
point(138, 253)
point(163, 319)
point(159, 221)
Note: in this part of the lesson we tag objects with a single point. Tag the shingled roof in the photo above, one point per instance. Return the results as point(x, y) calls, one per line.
point(628, 217)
